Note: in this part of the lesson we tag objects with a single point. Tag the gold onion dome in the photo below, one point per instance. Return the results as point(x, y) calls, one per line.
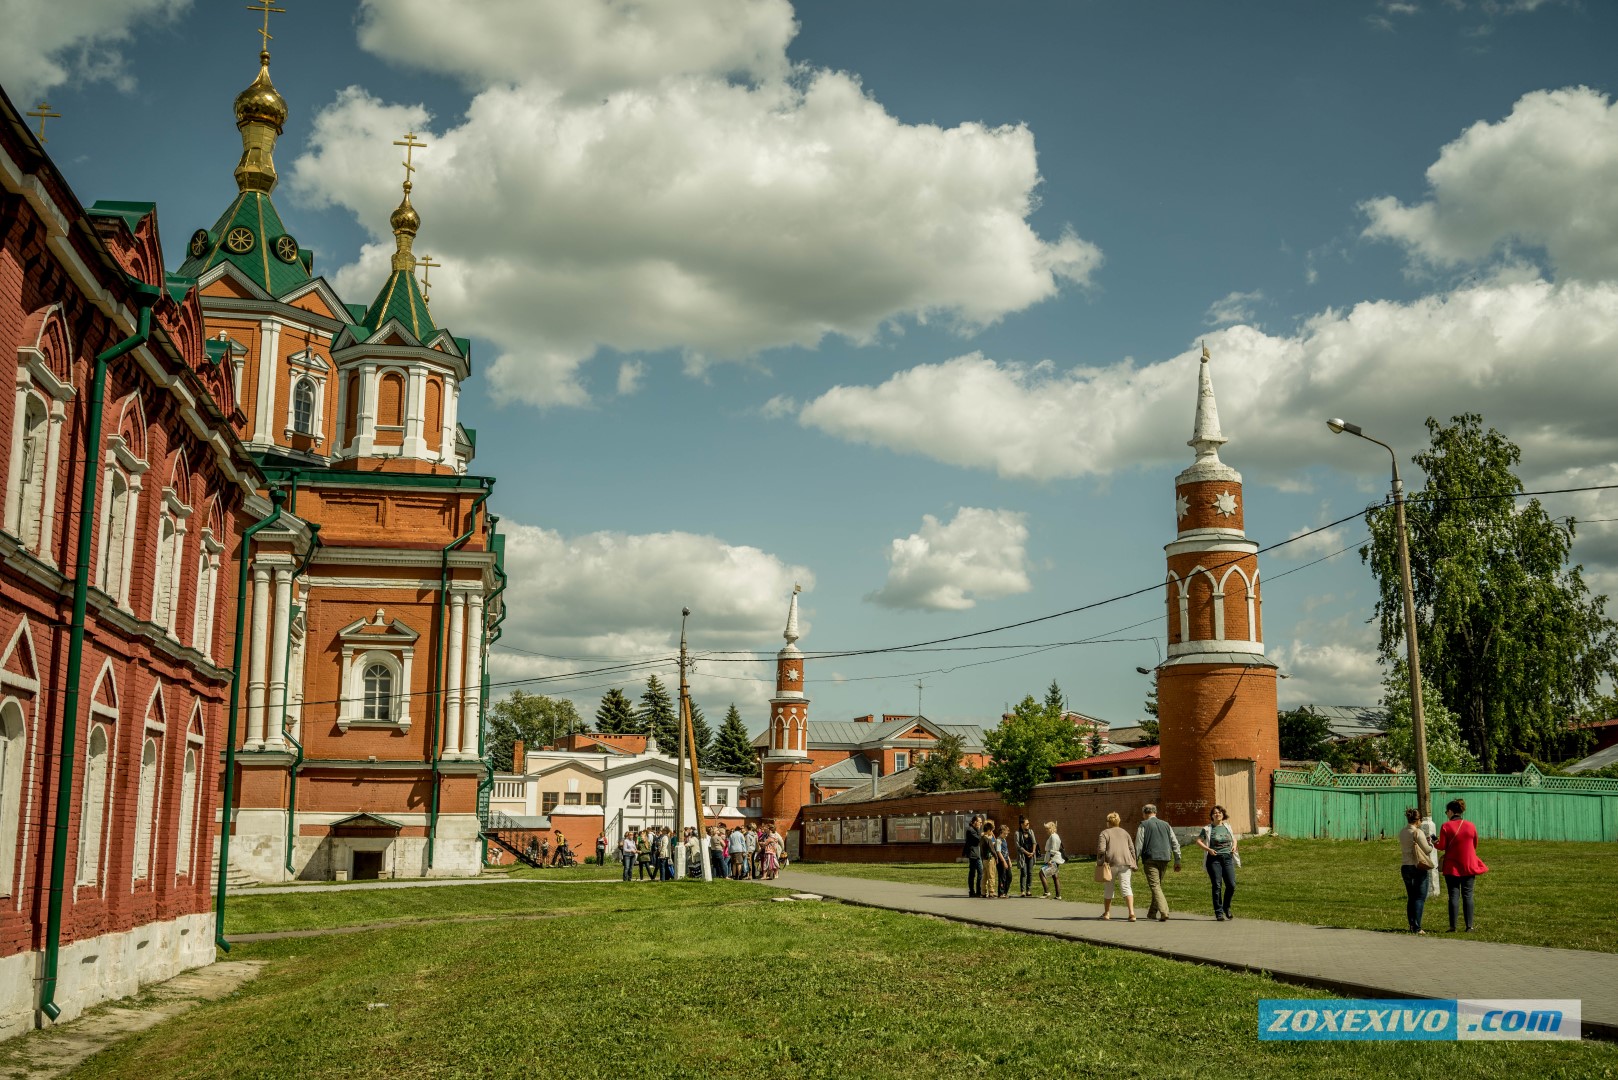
point(261, 101)
point(404, 218)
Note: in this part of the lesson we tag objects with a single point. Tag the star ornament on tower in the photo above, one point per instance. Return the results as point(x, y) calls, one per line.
point(1225, 503)
point(792, 675)
point(1182, 506)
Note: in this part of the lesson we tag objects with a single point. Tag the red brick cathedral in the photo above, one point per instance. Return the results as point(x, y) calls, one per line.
point(1216, 690)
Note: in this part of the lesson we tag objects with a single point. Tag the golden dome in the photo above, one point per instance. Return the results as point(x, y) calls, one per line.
point(261, 101)
point(404, 218)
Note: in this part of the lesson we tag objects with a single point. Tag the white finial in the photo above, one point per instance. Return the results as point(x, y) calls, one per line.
point(791, 632)
point(377, 619)
point(1206, 437)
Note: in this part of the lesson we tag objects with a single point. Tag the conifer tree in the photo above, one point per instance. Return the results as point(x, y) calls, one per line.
point(616, 714)
point(703, 734)
point(657, 716)
point(732, 749)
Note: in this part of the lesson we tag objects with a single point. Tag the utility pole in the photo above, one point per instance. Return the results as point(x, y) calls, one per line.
point(918, 698)
point(688, 737)
point(679, 761)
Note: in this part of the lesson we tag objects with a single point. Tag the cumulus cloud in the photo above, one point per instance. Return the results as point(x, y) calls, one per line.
point(1344, 671)
point(1313, 545)
point(978, 555)
point(1236, 307)
point(1543, 178)
point(630, 373)
point(582, 602)
point(682, 209)
point(46, 44)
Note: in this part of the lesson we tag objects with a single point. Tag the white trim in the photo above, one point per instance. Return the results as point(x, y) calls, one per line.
point(1215, 645)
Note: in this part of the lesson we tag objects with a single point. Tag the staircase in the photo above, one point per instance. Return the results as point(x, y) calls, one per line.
point(504, 831)
point(236, 878)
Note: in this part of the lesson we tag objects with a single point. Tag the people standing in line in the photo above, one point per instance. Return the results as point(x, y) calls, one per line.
point(770, 849)
point(1222, 858)
point(1458, 840)
point(544, 851)
point(987, 852)
point(1050, 873)
point(1116, 850)
point(1157, 846)
point(716, 851)
point(738, 854)
point(1027, 851)
point(972, 848)
point(1002, 852)
point(1417, 858)
point(751, 837)
point(693, 853)
point(643, 856)
point(626, 851)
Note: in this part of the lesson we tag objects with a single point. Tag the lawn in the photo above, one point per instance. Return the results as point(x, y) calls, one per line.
point(1536, 893)
point(712, 982)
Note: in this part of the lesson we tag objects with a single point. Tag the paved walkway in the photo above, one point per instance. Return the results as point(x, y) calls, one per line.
point(1356, 963)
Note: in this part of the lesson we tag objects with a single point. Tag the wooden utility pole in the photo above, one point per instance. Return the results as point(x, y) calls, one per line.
point(688, 738)
point(679, 761)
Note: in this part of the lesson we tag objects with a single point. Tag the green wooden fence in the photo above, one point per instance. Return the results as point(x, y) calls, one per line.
point(1522, 806)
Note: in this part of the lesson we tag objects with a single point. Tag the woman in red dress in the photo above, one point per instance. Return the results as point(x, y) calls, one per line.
point(1458, 840)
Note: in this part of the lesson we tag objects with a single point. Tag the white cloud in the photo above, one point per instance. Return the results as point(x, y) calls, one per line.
point(630, 373)
point(1314, 545)
point(45, 44)
point(682, 210)
point(1545, 177)
point(1340, 672)
point(979, 555)
point(612, 595)
point(1535, 358)
point(1235, 307)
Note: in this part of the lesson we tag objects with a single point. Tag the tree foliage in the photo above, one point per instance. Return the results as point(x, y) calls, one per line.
point(732, 750)
point(616, 715)
point(1511, 638)
point(657, 716)
point(941, 769)
point(1446, 751)
point(703, 734)
point(1305, 735)
point(1026, 746)
point(534, 718)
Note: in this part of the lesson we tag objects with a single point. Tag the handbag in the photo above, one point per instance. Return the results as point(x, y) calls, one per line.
point(1424, 857)
point(1103, 871)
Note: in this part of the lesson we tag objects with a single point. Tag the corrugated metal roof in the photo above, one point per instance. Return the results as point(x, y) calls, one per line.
point(1598, 760)
point(1353, 721)
point(853, 768)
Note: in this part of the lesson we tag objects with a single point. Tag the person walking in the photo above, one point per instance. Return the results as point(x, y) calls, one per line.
point(1157, 846)
point(1458, 840)
point(626, 852)
point(1027, 851)
point(1417, 858)
point(1002, 853)
point(1050, 873)
point(1115, 851)
point(986, 852)
point(972, 848)
point(1218, 840)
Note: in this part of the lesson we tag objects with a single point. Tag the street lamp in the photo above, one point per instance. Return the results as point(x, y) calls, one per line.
point(1413, 654)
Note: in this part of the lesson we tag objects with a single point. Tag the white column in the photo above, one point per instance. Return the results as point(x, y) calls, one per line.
point(452, 685)
point(14, 474)
point(176, 576)
point(53, 457)
point(273, 739)
point(452, 404)
point(131, 524)
point(257, 659)
point(269, 349)
point(415, 442)
point(471, 710)
point(367, 411)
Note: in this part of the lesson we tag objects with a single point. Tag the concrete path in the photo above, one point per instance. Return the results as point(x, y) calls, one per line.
point(1354, 963)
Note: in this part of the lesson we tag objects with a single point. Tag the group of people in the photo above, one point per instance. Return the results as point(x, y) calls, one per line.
point(993, 851)
point(542, 852)
point(739, 853)
point(1452, 853)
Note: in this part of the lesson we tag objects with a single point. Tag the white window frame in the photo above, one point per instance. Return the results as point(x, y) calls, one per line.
point(310, 365)
point(355, 661)
point(36, 379)
point(13, 752)
point(97, 794)
point(901, 760)
point(150, 773)
point(190, 796)
point(202, 620)
point(120, 462)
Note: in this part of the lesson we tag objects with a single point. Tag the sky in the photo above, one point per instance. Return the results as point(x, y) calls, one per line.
point(903, 303)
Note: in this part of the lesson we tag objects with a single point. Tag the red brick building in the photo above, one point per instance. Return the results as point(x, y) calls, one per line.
point(1216, 690)
point(119, 548)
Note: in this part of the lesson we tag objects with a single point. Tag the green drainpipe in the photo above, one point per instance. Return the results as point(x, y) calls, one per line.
point(145, 296)
point(277, 497)
point(439, 662)
point(286, 670)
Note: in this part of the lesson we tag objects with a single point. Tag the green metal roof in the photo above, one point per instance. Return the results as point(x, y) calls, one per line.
point(357, 311)
point(401, 299)
point(131, 212)
point(253, 211)
point(178, 286)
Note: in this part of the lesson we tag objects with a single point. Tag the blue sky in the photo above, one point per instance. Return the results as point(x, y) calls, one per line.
point(758, 293)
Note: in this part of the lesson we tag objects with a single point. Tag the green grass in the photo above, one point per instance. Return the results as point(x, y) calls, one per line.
point(320, 909)
point(758, 989)
point(1553, 894)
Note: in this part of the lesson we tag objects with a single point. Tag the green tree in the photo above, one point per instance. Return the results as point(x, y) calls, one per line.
point(732, 750)
point(657, 716)
point(534, 718)
point(1446, 750)
point(1055, 700)
point(941, 769)
point(1305, 735)
point(703, 734)
point(1149, 723)
point(616, 715)
point(1510, 636)
point(1026, 746)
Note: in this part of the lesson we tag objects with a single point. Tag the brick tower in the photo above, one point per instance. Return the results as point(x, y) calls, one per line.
point(1216, 690)
point(787, 766)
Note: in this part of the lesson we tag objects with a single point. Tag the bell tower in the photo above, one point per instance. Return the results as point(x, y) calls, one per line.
point(787, 766)
point(1216, 690)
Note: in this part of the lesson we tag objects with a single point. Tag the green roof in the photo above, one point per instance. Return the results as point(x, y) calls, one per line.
point(357, 311)
point(401, 299)
point(254, 212)
point(178, 286)
point(131, 212)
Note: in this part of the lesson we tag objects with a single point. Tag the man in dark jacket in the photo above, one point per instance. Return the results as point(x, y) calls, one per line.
point(1155, 845)
point(972, 849)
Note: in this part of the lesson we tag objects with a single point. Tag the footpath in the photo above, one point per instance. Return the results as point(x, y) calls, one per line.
point(1352, 963)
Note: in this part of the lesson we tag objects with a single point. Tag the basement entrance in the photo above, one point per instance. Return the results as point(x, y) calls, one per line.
point(367, 866)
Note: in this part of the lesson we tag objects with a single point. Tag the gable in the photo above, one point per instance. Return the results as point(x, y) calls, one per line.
point(18, 667)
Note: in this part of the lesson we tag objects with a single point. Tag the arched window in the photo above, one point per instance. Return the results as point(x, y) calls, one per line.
point(93, 812)
point(113, 526)
point(163, 582)
point(13, 745)
point(303, 406)
point(378, 692)
point(145, 808)
point(31, 474)
point(188, 813)
point(390, 401)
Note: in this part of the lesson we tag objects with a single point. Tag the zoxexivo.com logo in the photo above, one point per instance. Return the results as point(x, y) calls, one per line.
point(1417, 1019)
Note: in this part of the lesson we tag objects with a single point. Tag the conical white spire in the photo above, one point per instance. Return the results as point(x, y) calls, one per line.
point(791, 632)
point(1206, 438)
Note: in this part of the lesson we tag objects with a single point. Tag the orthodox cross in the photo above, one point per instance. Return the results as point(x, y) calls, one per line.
point(411, 145)
point(42, 114)
point(267, 7)
point(426, 263)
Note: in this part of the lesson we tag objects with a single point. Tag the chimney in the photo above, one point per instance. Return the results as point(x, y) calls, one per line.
point(519, 764)
point(888, 718)
point(869, 719)
point(876, 775)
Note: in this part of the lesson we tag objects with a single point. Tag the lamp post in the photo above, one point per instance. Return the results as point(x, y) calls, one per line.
point(1413, 653)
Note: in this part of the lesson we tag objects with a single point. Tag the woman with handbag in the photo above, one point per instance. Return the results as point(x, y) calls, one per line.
point(1115, 862)
point(1418, 859)
point(1218, 840)
point(1458, 840)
